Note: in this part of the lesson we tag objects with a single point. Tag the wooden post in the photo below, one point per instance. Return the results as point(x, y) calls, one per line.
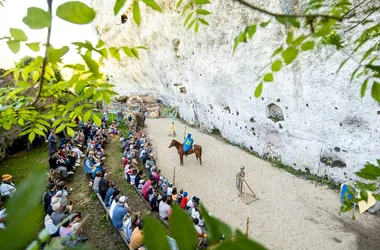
point(174, 175)
point(246, 230)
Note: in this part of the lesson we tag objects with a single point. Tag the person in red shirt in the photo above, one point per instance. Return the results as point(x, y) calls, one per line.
point(184, 200)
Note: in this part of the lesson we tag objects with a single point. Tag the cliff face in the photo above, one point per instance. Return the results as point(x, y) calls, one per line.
point(308, 111)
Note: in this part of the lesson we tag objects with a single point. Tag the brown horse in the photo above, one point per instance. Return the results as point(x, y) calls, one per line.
point(197, 149)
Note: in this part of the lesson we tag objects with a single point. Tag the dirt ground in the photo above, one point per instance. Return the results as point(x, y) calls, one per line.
point(291, 213)
point(99, 231)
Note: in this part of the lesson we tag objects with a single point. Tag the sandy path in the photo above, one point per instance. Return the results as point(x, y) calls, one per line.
point(291, 213)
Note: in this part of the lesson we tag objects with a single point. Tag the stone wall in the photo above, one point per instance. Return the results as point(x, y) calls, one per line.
point(307, 111)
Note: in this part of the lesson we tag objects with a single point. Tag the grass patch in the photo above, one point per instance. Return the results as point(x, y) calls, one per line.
point(23, 164)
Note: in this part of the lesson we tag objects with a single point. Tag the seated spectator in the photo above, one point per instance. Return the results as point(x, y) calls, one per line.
point(3, 215)
point(174, 195)
point(169, 191)
point(154, 202)
point(184, 200)
point(138, 178)
point(145, 188)
point(141, 184)
point(180, 195)
point(130, 224)
point(74, 236)
point(89, 163)
point(7, 188)
point(115, 199)
point(137, 238)
point(103, 188)
point(190, 203)
point(51, 227)
point(66, 227)
point(164, 208)
point(195, 213)
point(97, 179)
point(55, 164)
point(62, 193)
point(200, 234)
point(156, 175)
point(119, 212)
point(108, 198)
point(99, 168)
point(59, 211)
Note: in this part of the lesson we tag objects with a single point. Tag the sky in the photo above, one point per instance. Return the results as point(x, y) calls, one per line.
point(63, 33)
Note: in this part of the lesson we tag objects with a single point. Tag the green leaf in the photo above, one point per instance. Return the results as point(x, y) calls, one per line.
point(264, 24)
point(118, 5)
point(202, 1)
point(375, 68)
point(79, 86)
point(364, 195)
point(196, 27)
point(60, 128)
point(115, 53)
point(92, 65)
point(75, 12)
point(70, 131)
point(21, 121)
point(250, 30)
point(299, 40)
point(37, 18)
point(18, 34)
point(203, 21)
point(203, 12)
point(38, 131)
point(259, 90)
point(292, 21)
point(268, 77)
point(6, 125)
point(240, 242)
point(182, 229)
point(289, 38)
point(96, 120)
point(135, 53)
point(364, 88)
point(127, 51)
point(276, 66)
point(31, 136)
point(240, 39)
point(154, 234)
point(87, 115)
point(342, 64)
point(14, 46)
point(100, 44)
point(216, 228)
point(34, 46)
point(369, 172)
point(55, 55)
point(186, 7)
point(22, 227)
point(136, 12)
point(307, 45)
point(106, 98)
point(153, 5)
point(277, 51)
point(178, 4)
point(376, 91)
point(289, 55)
point(191, 23)
point(43, 123)
point(188, 18)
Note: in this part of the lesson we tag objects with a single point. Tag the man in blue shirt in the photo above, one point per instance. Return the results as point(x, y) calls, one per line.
point(119, 212)
point(111, 189)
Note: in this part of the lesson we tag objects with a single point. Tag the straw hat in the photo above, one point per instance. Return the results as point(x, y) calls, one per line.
point(7, 177)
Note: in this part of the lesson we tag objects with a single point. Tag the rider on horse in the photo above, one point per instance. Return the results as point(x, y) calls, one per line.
point(188, 143)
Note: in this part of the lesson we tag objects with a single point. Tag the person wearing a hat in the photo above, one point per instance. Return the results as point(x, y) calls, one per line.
point(184, 200)
point(119, 212)
point(7, 188)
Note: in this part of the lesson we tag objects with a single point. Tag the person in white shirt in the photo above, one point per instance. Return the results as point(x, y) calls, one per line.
point(169, 191)
point(3, 215)
point(7, 188)
point(164, 208)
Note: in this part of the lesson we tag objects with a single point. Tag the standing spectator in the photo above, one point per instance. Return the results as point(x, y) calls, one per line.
point(118, 213)
point(164, 208)
point(52, 139)
point(7, 188)
point(184, 200)
point(119, 116)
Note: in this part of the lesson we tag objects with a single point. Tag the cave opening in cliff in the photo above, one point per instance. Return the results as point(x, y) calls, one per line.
point(274, 112)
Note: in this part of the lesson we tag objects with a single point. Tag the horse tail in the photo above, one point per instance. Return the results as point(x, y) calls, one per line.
point(200, 154)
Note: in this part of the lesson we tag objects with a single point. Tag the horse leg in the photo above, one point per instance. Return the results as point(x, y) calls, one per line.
point(181, 159)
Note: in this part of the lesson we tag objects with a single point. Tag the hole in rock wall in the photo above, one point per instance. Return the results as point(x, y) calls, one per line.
point(182, 90)
point(176, 43)
point(227, 109)
point(124, 18)
point(275, 113)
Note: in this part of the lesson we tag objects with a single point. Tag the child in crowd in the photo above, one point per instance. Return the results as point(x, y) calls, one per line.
point(180, 195)
point(141, 184)
point(184, 200)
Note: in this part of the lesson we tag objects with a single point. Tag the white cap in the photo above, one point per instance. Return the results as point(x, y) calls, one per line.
point(122, 199)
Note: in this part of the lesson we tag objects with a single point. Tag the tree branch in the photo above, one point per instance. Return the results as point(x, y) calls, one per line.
point(45, 61)
point(308, 16)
